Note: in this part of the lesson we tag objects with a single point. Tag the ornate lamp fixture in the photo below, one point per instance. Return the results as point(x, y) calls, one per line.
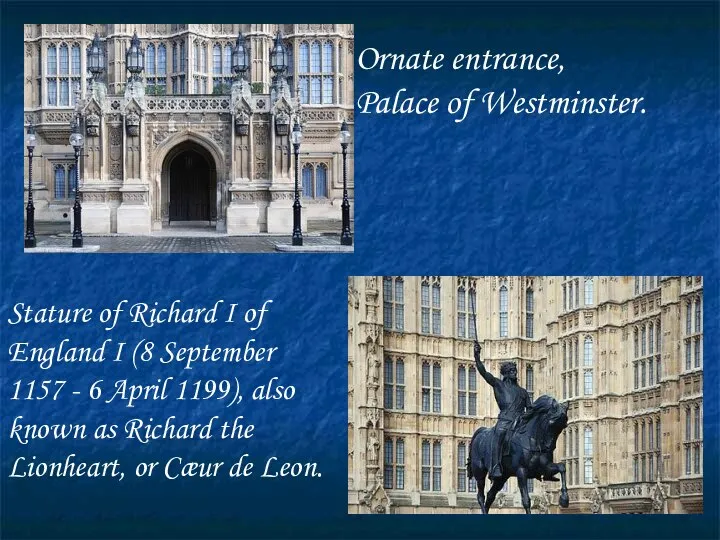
point(30, 141)
point(296, 137)
point(96, 57)
point(76, 141)
point(135, 58)
point(279, 56)
point(345, 236)
point(240, 57)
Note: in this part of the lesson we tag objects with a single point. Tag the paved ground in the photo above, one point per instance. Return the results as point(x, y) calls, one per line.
point(56, 235)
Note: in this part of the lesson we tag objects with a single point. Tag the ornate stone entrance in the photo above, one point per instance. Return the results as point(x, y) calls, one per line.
point(189, 185)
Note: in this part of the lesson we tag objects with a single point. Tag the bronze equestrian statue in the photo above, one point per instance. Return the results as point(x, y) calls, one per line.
point(522, 442)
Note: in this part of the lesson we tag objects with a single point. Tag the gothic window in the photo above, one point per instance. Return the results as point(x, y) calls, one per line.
point(643, 332)
point(425, 307)
point(425, 406)
point(651, 472)
point(307, 181)
point(174, 58)
point(462, 390)
point(503, 311)
point(316, 80)
point(564, 289)
point(588, 357)
point(467, 390)
point(637, 285)
point(570, 290)
point(651, 338)
point(461, 470)
point(393, 303)
point(394, 375)
point(530, 381)
point(436, 308)
point(564, 356)
point(588, 382)
point(437, 466)
point(589, 292)
point(52, 60)
point(217, 59)
point(472, 391)
point(465, 319)
point(698, 354)
point(222, 58)
point(62, 74)
point(64, 181)
point(688, 318)
point(315, 181)
point(461, 312)
point(321, 181)
point(437, 378)
point(394, 463)
point(688, 354)
point(156, 69)
point(529, 311)
point(425, 465)
point(698, 429)
point(76, 59)
point(698, 315)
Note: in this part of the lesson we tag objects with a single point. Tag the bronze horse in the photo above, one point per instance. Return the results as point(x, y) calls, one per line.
point(528, 453)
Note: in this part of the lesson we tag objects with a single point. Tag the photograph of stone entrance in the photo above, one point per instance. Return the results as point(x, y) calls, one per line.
point(225, 129)
point(624, 354)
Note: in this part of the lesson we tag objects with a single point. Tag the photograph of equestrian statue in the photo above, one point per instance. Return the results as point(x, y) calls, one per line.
point(525, 394)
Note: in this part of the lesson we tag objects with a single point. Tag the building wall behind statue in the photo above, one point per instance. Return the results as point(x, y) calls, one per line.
point(624, 352)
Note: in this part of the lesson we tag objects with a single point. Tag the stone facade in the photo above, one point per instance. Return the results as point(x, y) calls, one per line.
point(624, 352)
point(189, 116)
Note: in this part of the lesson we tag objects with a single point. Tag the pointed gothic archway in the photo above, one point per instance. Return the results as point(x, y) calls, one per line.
point(189, 185)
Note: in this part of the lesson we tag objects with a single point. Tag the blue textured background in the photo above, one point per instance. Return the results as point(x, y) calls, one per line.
point(493, 195)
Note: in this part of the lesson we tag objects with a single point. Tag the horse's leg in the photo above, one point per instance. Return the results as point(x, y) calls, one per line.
point(522, 484)
point(552, 470)
point(496, 486)
point(564, 499)
point(480, 479)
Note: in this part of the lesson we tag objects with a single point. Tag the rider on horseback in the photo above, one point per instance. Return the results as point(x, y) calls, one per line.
point(512, 399)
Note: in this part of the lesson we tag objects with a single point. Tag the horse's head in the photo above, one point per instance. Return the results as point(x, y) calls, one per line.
point(557, 418)
point(552, 417)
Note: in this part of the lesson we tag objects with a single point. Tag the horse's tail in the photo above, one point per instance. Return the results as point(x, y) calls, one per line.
point(468, 465)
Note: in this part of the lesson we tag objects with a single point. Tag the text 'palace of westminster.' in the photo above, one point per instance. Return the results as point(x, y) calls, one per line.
point(624, 353)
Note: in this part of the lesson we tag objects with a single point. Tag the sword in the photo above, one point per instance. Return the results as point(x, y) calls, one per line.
point(472, 305)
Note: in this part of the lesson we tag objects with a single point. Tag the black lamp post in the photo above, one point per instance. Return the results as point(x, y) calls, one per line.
point(240, 57)
point(135, 58)
point(96, 57)
point(297, 239)
point(30, 141)
point(345, 236)
point(76, 141)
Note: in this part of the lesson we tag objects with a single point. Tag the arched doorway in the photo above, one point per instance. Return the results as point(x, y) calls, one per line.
point(191, 179)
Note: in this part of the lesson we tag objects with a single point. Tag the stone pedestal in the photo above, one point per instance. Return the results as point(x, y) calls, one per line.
point(95, 218)
point(243, 218)
point(280, 214)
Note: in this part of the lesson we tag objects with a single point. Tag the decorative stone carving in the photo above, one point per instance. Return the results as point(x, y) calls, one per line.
point(282, 196)
point(373, 365)
point(92, 125)
point(282, 123)
point(159, 136)
point(132, 123)
point(242, 124)
point(372, 447)
point(596, 500)
point(134, 198)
